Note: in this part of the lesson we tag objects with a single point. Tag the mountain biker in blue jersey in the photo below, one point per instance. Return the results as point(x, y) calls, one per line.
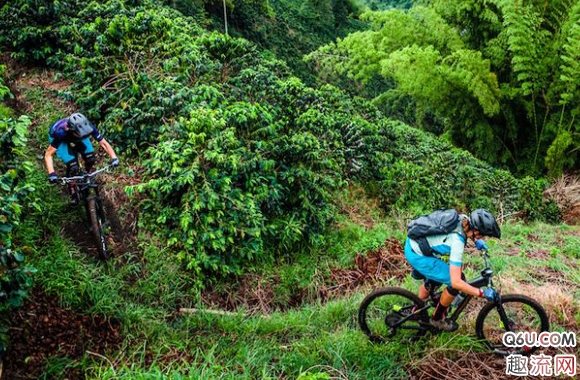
point(480, 223)
point(68, 138)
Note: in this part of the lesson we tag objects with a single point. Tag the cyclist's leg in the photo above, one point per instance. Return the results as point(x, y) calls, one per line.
point(454, 292)
point(414, 259)
point(65, 153)
point(87, 151)
point(437, 273)
point(68, 156)
point(73, 168)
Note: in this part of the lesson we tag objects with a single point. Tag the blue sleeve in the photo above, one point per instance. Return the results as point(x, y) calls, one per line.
point(55, 143)
point(97, 136)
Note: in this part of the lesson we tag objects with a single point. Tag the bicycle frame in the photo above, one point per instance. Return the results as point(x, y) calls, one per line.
point(385, 318)
point(87, 188)
point(484, 279)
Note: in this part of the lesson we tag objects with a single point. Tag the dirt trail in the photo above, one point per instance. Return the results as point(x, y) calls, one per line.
point(23, 78)
point(41, 329)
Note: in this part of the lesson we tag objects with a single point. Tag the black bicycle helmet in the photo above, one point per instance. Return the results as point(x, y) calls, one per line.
point(79, 125)
point(483, 221)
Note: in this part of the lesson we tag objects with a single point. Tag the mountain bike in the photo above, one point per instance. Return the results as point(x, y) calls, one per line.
point(86, 188)
point(392, 311)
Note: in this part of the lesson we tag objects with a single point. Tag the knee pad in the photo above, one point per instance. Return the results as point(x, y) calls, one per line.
point(432, 285)
point(72, 168)
point(90, 160)
point(452, 291)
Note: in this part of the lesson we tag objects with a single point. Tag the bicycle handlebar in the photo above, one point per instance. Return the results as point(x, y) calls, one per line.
point(84, 177)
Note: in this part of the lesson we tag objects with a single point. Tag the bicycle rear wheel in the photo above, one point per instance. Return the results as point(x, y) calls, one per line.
point(97, 219)
point(522, 314)
point(388, 311)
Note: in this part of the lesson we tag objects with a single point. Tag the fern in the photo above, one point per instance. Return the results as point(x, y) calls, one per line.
point(527, 43)
point(570, 57)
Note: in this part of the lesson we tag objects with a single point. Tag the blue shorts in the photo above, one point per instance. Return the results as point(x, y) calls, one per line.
point(431, 267)
point(68, 154)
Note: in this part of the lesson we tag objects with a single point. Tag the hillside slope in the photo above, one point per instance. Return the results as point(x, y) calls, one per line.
point(241, 189)
point(294, 318)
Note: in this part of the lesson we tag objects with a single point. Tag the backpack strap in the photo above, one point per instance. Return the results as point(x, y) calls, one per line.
point(425, 247)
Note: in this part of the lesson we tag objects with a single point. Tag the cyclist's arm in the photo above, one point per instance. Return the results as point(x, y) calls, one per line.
point(48, 162)
point(459, 284)
point(457, 245)
point(108, 148)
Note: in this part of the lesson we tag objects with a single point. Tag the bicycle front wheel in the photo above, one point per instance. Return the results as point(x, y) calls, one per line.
point(515, 313)
point(97, 219)
point(391, 311)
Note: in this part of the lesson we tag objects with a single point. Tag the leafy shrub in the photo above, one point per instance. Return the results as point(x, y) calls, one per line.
point(14, 278)
point(423, 173)
point(231, 185)
point(143, 63)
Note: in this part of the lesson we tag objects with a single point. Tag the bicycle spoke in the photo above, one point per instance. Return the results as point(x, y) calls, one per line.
point(517, 314)
point(384, 314)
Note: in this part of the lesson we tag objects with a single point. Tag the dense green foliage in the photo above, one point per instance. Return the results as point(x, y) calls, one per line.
point(241, 185)
point(381, 5)
point(15, 278)
point(243, 160)
point(286, 28)
point(499, 78)
point(298, 27)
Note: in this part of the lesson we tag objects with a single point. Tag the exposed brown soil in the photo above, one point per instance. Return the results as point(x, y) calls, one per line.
point(461, 365)
point(257, 293)
point(41, 329)
point(386, 262)
point(457, 366)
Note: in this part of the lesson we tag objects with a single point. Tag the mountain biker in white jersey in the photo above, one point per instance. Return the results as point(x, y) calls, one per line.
point(429, 265)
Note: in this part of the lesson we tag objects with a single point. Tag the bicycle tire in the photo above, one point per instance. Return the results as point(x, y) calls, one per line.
point(97, 221)
point(392, 305)
point(515, 305)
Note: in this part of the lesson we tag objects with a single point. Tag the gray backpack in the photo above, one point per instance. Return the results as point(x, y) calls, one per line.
point(439, 222)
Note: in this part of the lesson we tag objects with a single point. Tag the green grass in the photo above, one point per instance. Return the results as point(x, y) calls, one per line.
point(143, 288)
point(314, 338)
